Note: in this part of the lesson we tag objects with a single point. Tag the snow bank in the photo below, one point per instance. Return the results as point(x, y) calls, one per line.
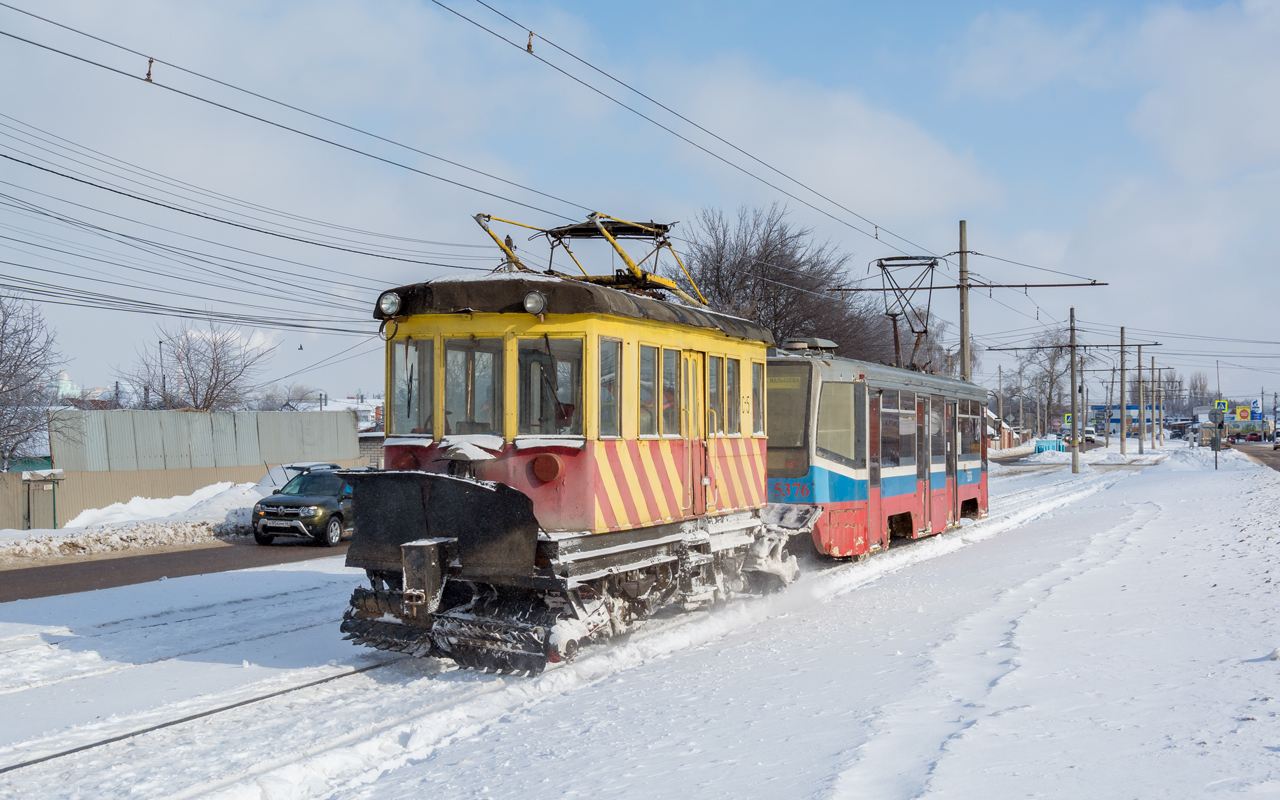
point(217, 510)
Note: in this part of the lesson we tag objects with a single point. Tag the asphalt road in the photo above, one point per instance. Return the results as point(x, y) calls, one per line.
point(105, 573)
point(1263, 451)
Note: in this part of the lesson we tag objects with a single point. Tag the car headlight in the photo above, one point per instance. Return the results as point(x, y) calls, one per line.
point(309, 511)
point(258, 511)
point(389, 304)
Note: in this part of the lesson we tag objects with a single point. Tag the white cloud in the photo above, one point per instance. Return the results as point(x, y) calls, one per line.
point(1008, 55)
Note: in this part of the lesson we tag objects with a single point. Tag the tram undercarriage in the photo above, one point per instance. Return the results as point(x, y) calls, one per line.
point(460, 569)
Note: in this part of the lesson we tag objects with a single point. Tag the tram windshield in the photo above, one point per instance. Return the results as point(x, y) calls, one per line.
point(550, 386)
point(788, 398)
point(412, 379)
point(473, 386)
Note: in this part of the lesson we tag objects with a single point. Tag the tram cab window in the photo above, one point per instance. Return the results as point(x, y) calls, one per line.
point(550, 386)
point(715, 394)
point(836, 423)
point(757, 398)
point(412, 386)
point(648, 390)
point(788, 399)
point(733, 396)
point(473, 386)
point(670, 392)
point(889, 452)
point(610, 387)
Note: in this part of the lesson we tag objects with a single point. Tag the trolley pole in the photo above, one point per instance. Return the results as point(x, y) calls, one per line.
point(964, 304)
point(1124, 407)
point(1075, 416)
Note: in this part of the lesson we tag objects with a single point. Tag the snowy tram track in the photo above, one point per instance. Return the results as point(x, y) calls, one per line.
point(322, 736)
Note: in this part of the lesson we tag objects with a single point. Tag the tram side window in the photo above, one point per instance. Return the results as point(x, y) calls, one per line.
point(757, 399)
point(907, 429)
point(788, 388)
point(733, 396)
point(889, 453)
point(412, 386)
point(835, 439)
point(671, 392)
point(648, 390)
point(550, 386)
point(610, 387)
point(473, 386)
point(715, 391)
point(937, 431)
point(970, 430)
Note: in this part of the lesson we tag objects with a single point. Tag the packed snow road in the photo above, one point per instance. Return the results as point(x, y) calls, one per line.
point(1108, 633)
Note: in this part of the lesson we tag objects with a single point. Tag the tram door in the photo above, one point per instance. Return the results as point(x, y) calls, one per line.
point(693, 466)
point(922, 463)
point(953, 485)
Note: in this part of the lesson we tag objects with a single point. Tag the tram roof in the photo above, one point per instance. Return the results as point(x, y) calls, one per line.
point(839, 368)
point(503, 293)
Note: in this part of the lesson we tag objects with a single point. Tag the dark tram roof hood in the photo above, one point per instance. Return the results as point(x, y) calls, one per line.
point(503, 293)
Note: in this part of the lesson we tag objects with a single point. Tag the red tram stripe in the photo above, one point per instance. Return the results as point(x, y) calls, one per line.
point(645, 479)
point(625, 493)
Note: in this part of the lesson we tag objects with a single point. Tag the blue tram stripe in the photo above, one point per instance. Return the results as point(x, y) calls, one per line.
point(820, 485)
point(897, 485)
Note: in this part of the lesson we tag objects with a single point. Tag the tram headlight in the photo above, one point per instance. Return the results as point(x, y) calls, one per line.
point(535, 302)
point(389, 304)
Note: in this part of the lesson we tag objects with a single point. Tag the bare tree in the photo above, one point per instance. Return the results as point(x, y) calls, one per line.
point(206, 368)
point(1198, 389)
point(285, 398)
point(1046, 371)
point(28, 360)
point(764, 268)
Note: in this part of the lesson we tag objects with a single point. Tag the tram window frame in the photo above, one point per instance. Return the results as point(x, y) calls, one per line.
point(861, 416)
point(418, 374)
point(757, 399)
point(715, 394)
point(670, 415)
point(648, 378)
point(493, 348)
point(836, 436)
point(889, 441)
point(564, 380)
point(937, 430)
point(610, 384)
point(733, 396)
point(907, 422)
point(970, 430)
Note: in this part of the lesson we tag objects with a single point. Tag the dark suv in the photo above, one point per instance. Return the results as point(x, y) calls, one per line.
point(314, 505)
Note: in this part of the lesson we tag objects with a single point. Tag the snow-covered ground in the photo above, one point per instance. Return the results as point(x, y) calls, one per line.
point(1104, 634)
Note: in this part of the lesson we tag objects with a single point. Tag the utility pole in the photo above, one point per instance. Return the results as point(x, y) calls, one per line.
point(1142, 414)
point(1124, 408)
point(964, 304)
point(1022, 426)
point(1153, 403)
point(1111, 388)
point(1075, 417)
point(1000, 400)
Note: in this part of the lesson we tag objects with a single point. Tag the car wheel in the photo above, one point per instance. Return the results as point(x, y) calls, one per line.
point(332, 532)
point(263, 538)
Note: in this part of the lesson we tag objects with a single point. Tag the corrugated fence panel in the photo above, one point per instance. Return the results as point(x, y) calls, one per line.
point(148, 439)
point(248, 447)
point(200, 426)
point(66, 439)
point(224, 439)
point(177, 444)
point(95, 443)
point(13, 500)
point(122, 453)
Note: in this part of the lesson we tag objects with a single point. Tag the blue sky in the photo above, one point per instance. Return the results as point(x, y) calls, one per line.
point(1135, 143)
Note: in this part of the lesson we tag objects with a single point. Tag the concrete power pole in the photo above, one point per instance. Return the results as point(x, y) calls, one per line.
point(1111, 388)
point(1142, 414)
point(1000, 401)
point(1022, 426)
point(965, 368)
point(1124, 407)
point(1154, 390)
point(1075, 416)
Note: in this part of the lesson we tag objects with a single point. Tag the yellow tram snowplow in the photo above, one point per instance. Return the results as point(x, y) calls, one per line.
point(565, 455)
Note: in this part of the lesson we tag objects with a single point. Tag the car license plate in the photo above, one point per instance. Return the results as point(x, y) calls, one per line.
point(279, 524)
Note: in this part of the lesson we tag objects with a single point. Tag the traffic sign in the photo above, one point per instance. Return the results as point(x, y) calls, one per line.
point(1056, 424)
point(1215, 417)
point(1242, 412)
point(1066, 419)
point(1220, 405)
